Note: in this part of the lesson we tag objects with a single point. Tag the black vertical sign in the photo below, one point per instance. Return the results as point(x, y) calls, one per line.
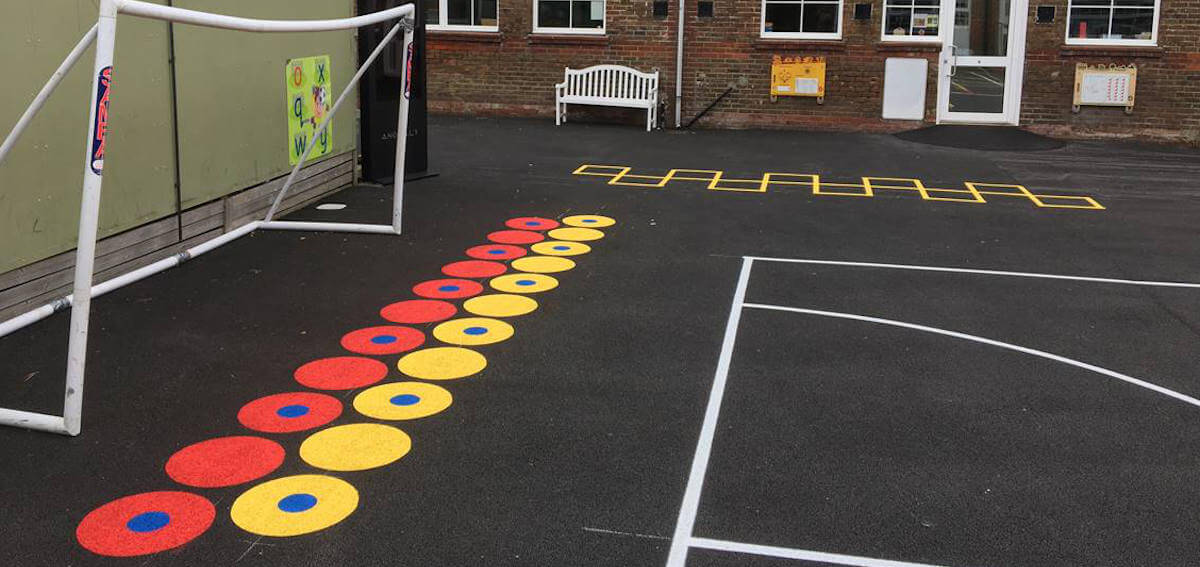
point(380, 92)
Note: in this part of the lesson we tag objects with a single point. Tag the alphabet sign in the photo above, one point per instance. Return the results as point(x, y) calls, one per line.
point(308, 103)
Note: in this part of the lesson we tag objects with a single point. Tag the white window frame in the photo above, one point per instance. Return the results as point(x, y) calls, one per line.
point(570, 31)
point(443, 14)
point(1152, 42)
point(762, 21)
point(934, 39)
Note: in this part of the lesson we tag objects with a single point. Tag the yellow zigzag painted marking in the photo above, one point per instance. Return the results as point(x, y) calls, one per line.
point(973, 193)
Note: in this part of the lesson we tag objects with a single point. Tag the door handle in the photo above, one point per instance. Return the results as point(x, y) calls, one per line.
point(953, 59)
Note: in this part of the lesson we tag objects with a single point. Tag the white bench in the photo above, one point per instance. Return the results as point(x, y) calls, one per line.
point(608, 85)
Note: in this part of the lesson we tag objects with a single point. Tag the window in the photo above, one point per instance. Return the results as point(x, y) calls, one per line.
point(568, 16)
point(1112, 22)
point(461, 15)
point(911, 20)
point(802, 19)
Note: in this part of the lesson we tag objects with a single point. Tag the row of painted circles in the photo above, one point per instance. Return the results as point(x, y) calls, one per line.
point(151, 522)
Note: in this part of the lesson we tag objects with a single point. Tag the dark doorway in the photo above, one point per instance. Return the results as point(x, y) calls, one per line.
point(379, 97)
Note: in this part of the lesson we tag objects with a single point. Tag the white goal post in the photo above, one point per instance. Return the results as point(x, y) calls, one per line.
point(103, 34)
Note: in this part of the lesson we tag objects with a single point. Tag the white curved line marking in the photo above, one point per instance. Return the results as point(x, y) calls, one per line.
point(1040, 353)
point(976, 271)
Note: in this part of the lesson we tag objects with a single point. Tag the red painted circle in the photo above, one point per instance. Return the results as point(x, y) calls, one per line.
point(106, 530)
point(341, 373)
point(531, 223)
point(474, 269)
point(265, 415)
point(387, 339)
point(496, 252)
point(516, 237)
point(418, 311)
point(224, 461)
point(447, 289)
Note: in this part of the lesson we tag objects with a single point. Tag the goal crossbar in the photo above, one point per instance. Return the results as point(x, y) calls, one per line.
point(103, 35)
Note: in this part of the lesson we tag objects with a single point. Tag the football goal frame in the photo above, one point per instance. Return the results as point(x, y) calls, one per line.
point(103, 35)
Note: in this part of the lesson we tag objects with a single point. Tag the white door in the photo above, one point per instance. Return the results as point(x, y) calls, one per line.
point(983, 62)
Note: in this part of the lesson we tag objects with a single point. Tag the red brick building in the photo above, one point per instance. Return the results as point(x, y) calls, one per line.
point(988, 61)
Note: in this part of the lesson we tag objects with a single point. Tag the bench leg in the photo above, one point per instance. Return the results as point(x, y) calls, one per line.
point(557, 113)
point(649, 118)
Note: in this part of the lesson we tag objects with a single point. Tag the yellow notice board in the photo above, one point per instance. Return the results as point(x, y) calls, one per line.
point(798, 76)
point(308, 102)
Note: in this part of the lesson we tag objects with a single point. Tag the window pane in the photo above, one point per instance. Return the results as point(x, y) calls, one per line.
point(587, 14)
point(458, 12)
point(1088, 23)
point(1137, 23)
point(783, 18)
point(554, 13)
point(1129, 3)
point(897, 20)
point(977, 89)
point(431, 13)
point(925, 22)
point(927, 2)
point(821, 18)
point(485, 12)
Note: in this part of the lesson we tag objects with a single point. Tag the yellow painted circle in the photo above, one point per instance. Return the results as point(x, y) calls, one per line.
point(576, 234)
point(473, 331)
point(543, 264)
point(442, 363)
point(402, 400)
point(500, 305)
point(560, 248)
point(355, 447)
point(294, 505)
point(589, 221)
point(523, 283)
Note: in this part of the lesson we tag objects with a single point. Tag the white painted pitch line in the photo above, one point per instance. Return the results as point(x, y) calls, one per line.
point(691, 497)
point(626, 534)
point(975, 271)
point(1026, 350)
point(788, 553)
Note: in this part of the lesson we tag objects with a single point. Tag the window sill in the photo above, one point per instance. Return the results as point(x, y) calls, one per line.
point(762, 44)
point(891, 46)
point(464, 36)
point(542, 38)
point(1111, 51)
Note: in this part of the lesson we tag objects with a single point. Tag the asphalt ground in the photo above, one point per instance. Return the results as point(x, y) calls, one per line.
point(575, 444)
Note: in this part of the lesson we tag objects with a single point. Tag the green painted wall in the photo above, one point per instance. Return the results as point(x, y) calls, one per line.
point(232, 115)
point(41, 179)
point(232, 97)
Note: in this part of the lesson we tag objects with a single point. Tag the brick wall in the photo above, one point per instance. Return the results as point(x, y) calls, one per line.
point(513, 72)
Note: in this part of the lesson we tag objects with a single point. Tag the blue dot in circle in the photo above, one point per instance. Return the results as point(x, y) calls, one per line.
point(525, 282)
point(383, 339)
point(562, 247)
point(405, 400)
point(589, 220)
point(495, 251)
point(475, 330)
point(148, 522)
point(291, 411)
point(297, 502)
point(532, 223)
point(448, 288)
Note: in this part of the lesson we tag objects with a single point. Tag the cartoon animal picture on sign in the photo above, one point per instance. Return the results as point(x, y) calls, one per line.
point(308, 84)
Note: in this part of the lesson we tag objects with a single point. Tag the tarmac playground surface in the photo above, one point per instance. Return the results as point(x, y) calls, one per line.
point(766, 358)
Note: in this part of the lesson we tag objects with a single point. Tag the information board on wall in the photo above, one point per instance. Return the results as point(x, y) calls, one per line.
point(798, 76)
point(308, 103)
point(1105, 86)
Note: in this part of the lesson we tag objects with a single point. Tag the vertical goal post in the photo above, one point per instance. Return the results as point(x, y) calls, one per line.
point(103, 35)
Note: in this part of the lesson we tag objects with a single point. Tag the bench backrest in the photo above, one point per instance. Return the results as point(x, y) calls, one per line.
point(611, 82)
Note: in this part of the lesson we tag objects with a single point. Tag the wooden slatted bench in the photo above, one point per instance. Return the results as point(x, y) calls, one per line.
point(608, 85)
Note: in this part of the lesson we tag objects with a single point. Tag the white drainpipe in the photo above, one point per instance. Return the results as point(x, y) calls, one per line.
point(679, 68)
